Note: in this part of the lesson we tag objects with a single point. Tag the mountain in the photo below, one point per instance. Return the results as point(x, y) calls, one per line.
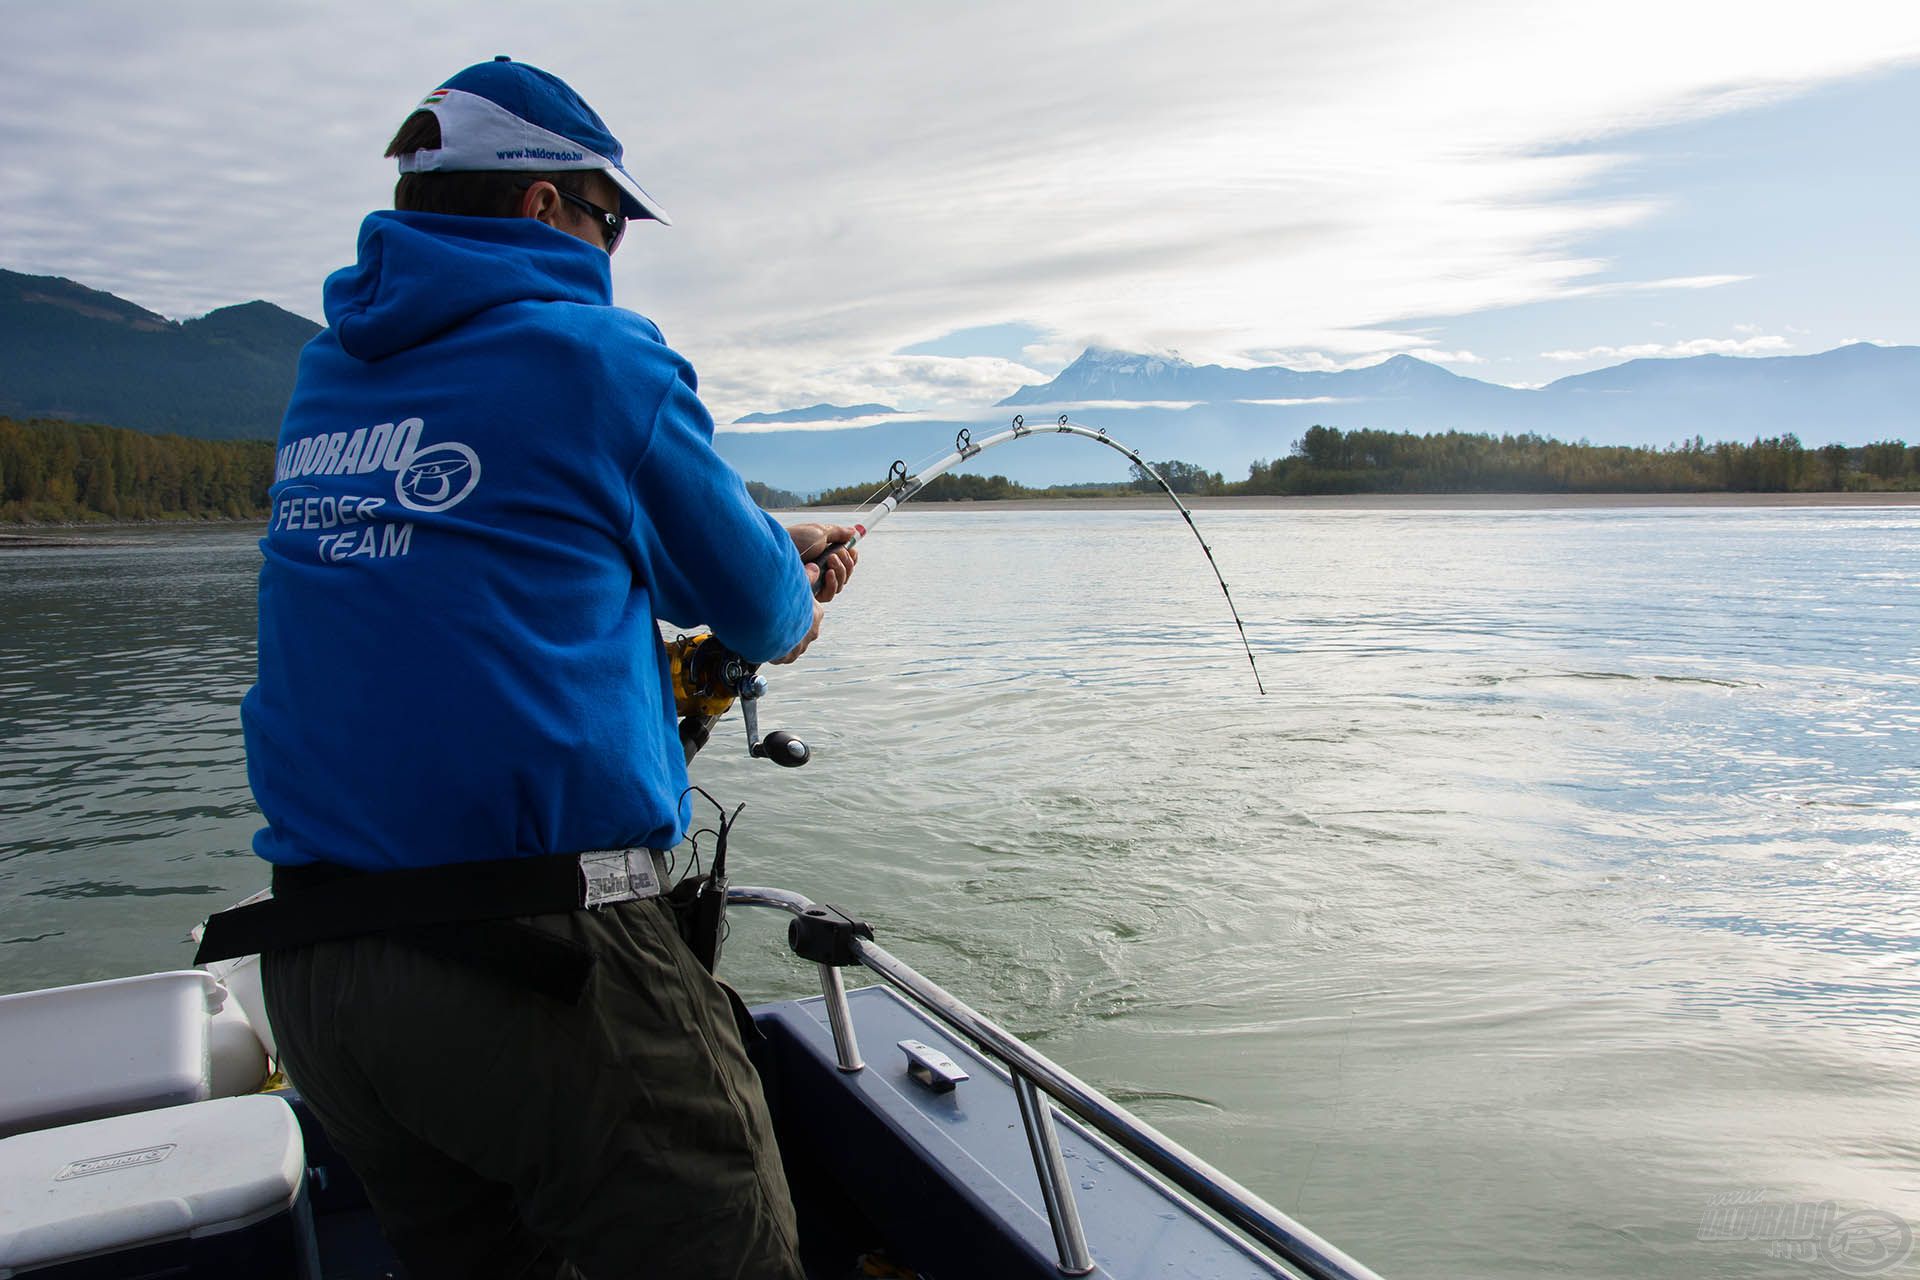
point(1860, 391)
point(67, 351)
point(1104, 374)
point(1225, 418)
point(819, 413)
point(1853, 395)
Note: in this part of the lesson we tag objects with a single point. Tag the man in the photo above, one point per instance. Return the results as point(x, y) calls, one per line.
point(492, 488)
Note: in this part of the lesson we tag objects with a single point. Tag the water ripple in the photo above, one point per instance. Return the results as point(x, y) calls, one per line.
point(1573, 855)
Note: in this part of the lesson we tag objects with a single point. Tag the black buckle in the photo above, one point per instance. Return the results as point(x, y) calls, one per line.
point(825, 934)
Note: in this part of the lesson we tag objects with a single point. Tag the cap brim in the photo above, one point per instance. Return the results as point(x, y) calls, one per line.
point(634, 201)
point(479, 135)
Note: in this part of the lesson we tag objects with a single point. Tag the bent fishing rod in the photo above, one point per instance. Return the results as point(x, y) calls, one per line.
point(708, 677)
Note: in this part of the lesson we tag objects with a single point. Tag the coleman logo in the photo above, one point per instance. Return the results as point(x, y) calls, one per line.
point(114, 1163)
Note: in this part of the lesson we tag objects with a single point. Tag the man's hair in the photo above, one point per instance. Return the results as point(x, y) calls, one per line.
point(491, 194)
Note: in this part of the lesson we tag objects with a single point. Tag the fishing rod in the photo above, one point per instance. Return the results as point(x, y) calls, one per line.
point(901, 487)
point(708, 677)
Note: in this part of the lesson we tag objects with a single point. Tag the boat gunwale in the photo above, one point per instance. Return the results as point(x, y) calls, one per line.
point(1294, 1244)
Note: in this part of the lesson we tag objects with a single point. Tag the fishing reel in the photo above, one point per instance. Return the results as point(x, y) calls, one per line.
point(708, 678)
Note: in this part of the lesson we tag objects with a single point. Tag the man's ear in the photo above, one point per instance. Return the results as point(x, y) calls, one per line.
point(541, 200)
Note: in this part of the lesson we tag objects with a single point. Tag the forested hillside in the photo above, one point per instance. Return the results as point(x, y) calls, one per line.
point(77, 354)
point(52, 472)
point(62, 472)
point(1328, 460)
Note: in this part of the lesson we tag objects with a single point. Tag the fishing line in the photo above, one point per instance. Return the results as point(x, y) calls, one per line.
point(708, 677)
point(901, 487)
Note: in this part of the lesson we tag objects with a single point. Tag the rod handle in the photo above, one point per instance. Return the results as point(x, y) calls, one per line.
point(827, 551)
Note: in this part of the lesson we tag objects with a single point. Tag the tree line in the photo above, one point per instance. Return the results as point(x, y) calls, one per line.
point(64, 472)
point(53, 472)
point(964, 487)
point(1328, 460)
point(56, 472)
point(768, 498)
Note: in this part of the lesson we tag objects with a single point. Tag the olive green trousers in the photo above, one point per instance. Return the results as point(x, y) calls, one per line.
point(501, 1133)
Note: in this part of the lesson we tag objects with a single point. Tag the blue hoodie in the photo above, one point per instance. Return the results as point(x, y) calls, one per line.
point(490, 485)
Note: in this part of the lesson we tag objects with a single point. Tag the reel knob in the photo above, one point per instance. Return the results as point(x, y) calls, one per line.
point(783, 749)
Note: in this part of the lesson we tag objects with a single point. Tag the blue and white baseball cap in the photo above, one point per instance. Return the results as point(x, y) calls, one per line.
point(505, 115)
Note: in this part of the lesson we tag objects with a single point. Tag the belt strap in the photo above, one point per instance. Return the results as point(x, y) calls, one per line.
point(463, 911)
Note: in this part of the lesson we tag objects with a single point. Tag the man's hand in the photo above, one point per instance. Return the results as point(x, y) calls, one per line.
point(813, 633)
point(827, 573)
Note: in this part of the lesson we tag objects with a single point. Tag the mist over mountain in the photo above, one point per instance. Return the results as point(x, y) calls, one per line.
point(70, 352)
point(818, 413)
point(1224, 419)
point(1103, 374)
point(67, 351)
point(1851, 393)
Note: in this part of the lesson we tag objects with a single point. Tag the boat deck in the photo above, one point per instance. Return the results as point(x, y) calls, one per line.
point(936, 1183)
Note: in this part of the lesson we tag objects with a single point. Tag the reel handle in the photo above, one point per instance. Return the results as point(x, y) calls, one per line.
point(783, 749)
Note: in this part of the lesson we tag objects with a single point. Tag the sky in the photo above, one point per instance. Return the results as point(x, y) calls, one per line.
point(928, 205)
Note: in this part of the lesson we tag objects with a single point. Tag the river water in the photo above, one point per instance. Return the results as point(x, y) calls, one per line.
point(1556, 905)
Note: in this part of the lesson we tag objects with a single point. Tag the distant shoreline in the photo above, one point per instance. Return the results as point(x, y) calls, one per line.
point(94, 533)
point(1424, 502)
point(12, 541)
point(25, 536)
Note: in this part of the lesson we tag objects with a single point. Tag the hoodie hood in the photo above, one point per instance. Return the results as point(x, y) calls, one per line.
point(420, 274)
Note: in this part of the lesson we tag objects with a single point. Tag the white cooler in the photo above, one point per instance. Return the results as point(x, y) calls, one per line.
point(212, 1189)
point(128, 1044)
point(103, 1048)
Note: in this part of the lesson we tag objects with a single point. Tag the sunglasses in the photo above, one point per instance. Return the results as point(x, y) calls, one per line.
point(612, 225)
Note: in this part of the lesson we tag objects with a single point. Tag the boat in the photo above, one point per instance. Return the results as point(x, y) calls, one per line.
point(143, 1133)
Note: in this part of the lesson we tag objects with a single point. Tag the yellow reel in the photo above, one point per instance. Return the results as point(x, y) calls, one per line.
point(698, 664)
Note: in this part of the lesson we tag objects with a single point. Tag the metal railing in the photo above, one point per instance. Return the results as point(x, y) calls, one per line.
point(1035, 1075)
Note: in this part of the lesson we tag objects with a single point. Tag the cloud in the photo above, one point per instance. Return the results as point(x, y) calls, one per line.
point(1760, 344)
point(1043, 409)
point(1653, 286)
point(828, 424)
point(1321, 362)
point(1051, 356)
point(913, 383)
point(1227, 181)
